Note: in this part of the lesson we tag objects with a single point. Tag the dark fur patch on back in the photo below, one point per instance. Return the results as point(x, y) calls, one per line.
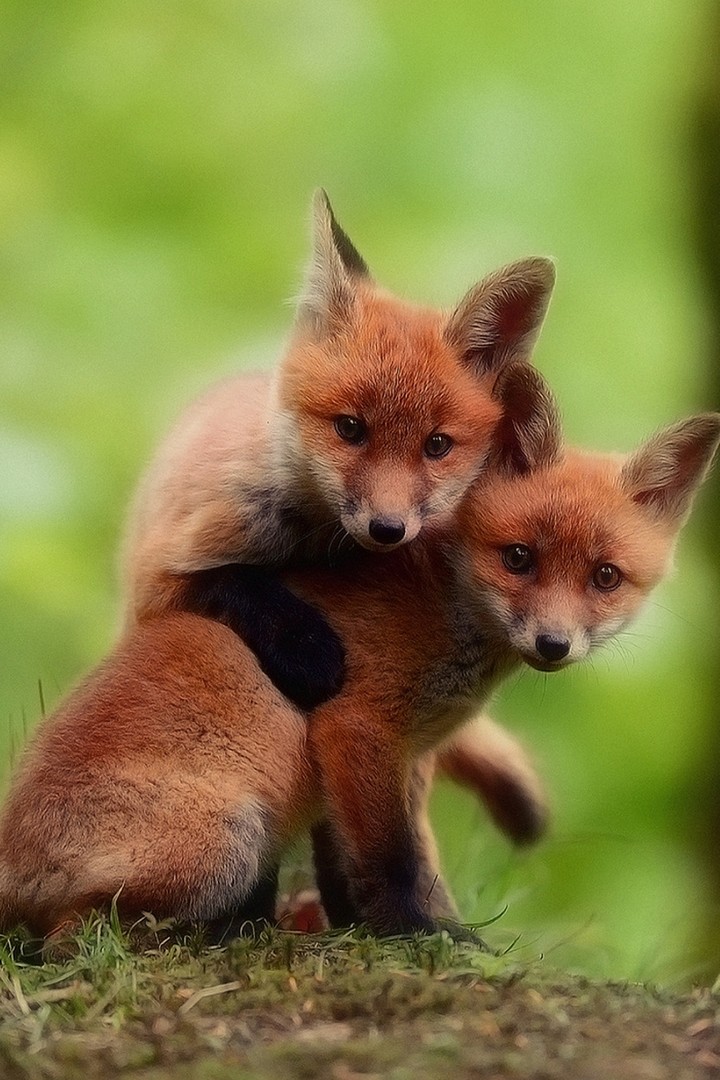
point(293, 641)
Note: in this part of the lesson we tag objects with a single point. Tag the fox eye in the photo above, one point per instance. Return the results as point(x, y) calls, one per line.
point(438, 445)
point(517, 558)
point(606, 577)
point(350, 428)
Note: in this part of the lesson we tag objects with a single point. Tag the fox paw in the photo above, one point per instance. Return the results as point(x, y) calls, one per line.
point(460, 933)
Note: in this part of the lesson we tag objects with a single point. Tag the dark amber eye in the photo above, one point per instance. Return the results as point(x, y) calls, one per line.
point(350, 428)
point(438, 445)
point(607, 577)
point(518, 558)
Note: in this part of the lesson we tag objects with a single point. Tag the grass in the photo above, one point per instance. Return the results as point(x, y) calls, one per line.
point(335, 1006)
point(157, 162)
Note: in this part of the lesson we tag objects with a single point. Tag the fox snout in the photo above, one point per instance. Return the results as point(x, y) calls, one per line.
point(551, 648)
point(387, 530)
point(381, 531)
point(385, 511)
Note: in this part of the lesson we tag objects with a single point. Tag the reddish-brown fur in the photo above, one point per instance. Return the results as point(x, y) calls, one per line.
point(136, 780)
point(491, 763)
point(256, 472)
point(177, 773)
point(391, 364)
point(254, 446)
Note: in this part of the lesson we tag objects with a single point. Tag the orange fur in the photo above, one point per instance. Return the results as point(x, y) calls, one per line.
point(489, 761)
point(177, 774)
point(256, 472)
point(159, 778)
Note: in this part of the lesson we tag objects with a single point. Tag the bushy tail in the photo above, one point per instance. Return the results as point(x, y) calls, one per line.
point(491, 762)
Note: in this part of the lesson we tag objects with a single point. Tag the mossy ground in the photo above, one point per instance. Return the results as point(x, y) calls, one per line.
point(341, 1007)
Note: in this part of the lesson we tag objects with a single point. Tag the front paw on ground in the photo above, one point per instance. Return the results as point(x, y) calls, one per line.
point(460, 933)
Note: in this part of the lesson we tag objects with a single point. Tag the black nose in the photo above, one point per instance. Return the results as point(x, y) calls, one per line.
point(386, 531)
point(552, 646)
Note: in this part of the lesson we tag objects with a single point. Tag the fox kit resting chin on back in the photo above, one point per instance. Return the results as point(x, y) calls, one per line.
point(377, 420)
point(177, 774)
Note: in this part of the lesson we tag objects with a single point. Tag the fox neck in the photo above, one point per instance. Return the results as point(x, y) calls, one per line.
point(479, 656)
point(482, 652)
point(310, 521)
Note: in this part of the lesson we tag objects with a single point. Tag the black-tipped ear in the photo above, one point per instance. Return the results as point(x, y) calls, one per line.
point(497, 322)
point(529, 434)
point(665, 473)
point(335, 266)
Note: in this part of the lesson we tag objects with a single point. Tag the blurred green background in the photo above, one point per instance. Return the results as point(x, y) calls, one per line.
point(157, 163)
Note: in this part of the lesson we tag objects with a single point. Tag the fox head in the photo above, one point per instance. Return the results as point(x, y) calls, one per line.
point(565, 546)
point(387, 409)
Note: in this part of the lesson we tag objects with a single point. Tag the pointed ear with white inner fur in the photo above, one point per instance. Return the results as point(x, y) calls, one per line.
point(497, 322)
point(529, 433)
point(665, 473)
point(335, 268)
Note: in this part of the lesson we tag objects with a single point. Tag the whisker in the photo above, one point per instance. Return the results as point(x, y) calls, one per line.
point(675, 614)
point(334, 536)
point(621, 650)
point(346, 539)
point(591, 668)
point(307, 535)
point(336, 542)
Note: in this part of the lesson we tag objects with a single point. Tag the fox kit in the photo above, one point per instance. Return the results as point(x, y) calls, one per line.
point(177, 774)
point(377, 420)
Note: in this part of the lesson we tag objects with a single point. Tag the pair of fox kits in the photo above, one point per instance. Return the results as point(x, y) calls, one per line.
point(179, 772)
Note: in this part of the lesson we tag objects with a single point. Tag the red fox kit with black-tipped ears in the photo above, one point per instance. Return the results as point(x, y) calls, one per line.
point(177, 775)
point(377, 420)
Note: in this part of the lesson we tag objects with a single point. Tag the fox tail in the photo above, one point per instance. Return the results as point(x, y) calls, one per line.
point(491, 762)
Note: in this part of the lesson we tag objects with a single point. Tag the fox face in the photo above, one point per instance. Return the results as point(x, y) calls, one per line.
point(387, 409)
point(567, 546)
point(392, 427)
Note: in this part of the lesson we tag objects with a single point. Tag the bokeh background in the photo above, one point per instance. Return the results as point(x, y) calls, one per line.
point(157, 163)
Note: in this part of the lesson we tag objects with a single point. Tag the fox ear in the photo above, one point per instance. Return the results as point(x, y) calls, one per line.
point(529, 433)
point(335, 267)
point(498, 321)
point(665, 473)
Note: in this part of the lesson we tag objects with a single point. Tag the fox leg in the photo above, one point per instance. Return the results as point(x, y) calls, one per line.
point(433, 892)
point(210, 866)
point(371, 813)
point(435, 895)
point(295, 645)
point(258, 908)
point(332, 880)
point(178, 859)
point(488, 760)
